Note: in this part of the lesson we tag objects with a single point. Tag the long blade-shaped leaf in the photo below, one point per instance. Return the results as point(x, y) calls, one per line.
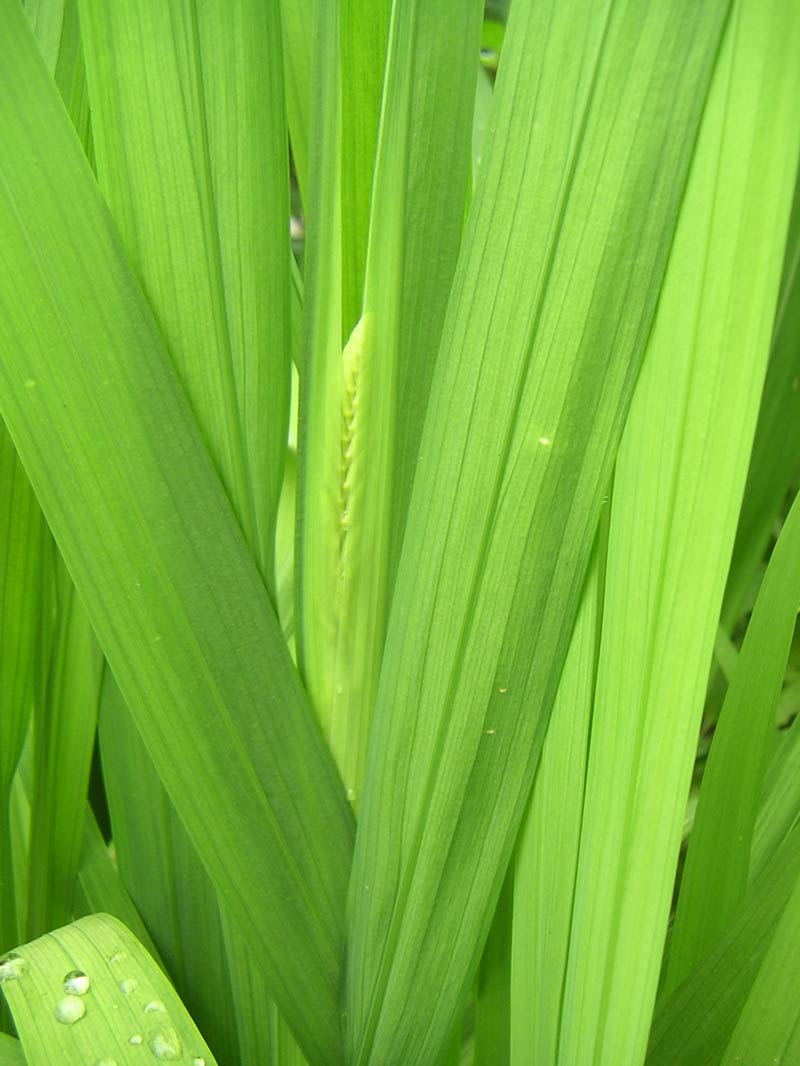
point(694, 1023)
point(90, 993)
point(11, 1053)
point(161, 871)
point(715, 875)
point(580, 186)
point(776, 449)
point(23, 549)
point(170, 587)
point(356, 432)
point(677, 488)
point(546, 856)
point(768, 1029)
point(190, 135)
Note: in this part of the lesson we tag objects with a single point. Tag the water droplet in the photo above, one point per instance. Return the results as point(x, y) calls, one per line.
point(11, 966)
point(490, 732)
point(117, 957)
point(106, 1062)
point(129, 985)
point(70, 1010)
point(166, 1045)
point(545, 441)
point(155, 1006)
point(197, 1061)
point(77, 983)
point(351, 794)
point(135, 1039)
point(502, 690)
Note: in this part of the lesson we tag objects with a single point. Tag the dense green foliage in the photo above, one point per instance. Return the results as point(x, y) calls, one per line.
point(362, 607)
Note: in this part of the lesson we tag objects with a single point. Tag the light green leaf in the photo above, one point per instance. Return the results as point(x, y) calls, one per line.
point(580, 188)
point(10, 1051)
point(23, 548)
point(775, 460)
point(169, 584)
point(362, 408)
point(363, 29)
point(64, 720)
point(100, 889)
point(546, 856)
point(677, 488)
point(716, 871)
point(695, 1022)
point(299, 29)
point(90, 993)
point(190, 135)
point(767, 1030)
point(161, 871)
point(780, 805)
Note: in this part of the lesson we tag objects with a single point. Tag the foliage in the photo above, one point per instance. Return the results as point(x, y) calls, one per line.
point(358, 608)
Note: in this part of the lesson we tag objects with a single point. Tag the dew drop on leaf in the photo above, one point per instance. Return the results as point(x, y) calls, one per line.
point(70, 1010)
point(155, 1006)
point(135, 1039)
point(129, 985)
point(11, 967)
point(76, 983)
point(166, 1045)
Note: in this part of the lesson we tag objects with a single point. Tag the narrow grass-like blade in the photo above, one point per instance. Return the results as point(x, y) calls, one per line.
point(363, 31)
point(298, 30)
point(170, 587)
point(546, 855)
point(421, 194)
point(678, 484)
point(263, 1035)
point(780, 805)
point(11, 1053)
point(569, 230)
point(99, 888)
point(190, 136)
point(64, 723)
point(365, 404)
point(775, 461)
point(695, 1022)
point(90, 992)
point(23, 549)
point(768, 1029)
point(164, 877)
point(492, 1041)
point(716, 871)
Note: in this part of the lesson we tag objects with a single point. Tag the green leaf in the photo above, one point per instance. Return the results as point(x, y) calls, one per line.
point(580, 187)
point(64, 723)
point(10, 1051)
point(299, 30)
point(22, 552)
point(695, 1022)
point(170, 587)
point(89, 993)
point(190, 136)
point(363, 29)
point(780, 805)
point(362, 408)
point(162, 873)
point(716, 871)
point(775, 460)
point(677, 489)
point(767, 1030)
point(546, 856)
point(100, 889)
